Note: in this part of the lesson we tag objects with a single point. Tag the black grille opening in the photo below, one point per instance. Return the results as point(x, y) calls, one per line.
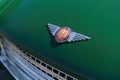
point(49, 74)
point(55, 78)
point(38, 61)
point(33, 58)
point(50, 68)
point(43, 71)
point(24, 51)
point(55, 71)
point(62, 74)
point(20, 48)
point(38, 68)
point(33, 64)
point(28, 55)
point(69, 78)
point(43, 64)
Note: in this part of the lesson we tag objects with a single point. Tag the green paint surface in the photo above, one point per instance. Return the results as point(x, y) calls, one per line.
point(97, 59)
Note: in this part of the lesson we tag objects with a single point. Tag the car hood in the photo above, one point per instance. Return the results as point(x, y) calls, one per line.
point(97, 58)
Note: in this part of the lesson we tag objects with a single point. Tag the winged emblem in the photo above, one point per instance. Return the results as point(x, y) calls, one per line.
point(65, 34)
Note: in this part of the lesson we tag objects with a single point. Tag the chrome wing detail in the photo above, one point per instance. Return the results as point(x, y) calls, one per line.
point(53, 28)
point(74, 36)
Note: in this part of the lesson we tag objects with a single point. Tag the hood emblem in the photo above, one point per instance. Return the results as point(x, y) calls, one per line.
point(65, 34)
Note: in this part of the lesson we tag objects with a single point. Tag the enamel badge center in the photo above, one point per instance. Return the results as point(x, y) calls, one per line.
point(65, 34)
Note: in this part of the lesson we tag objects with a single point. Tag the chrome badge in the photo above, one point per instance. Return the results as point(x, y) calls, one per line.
point(65, 34)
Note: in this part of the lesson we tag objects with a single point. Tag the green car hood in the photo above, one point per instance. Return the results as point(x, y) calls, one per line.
point(97, 59)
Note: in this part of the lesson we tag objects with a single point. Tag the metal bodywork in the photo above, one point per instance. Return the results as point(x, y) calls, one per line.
point(96, 59)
